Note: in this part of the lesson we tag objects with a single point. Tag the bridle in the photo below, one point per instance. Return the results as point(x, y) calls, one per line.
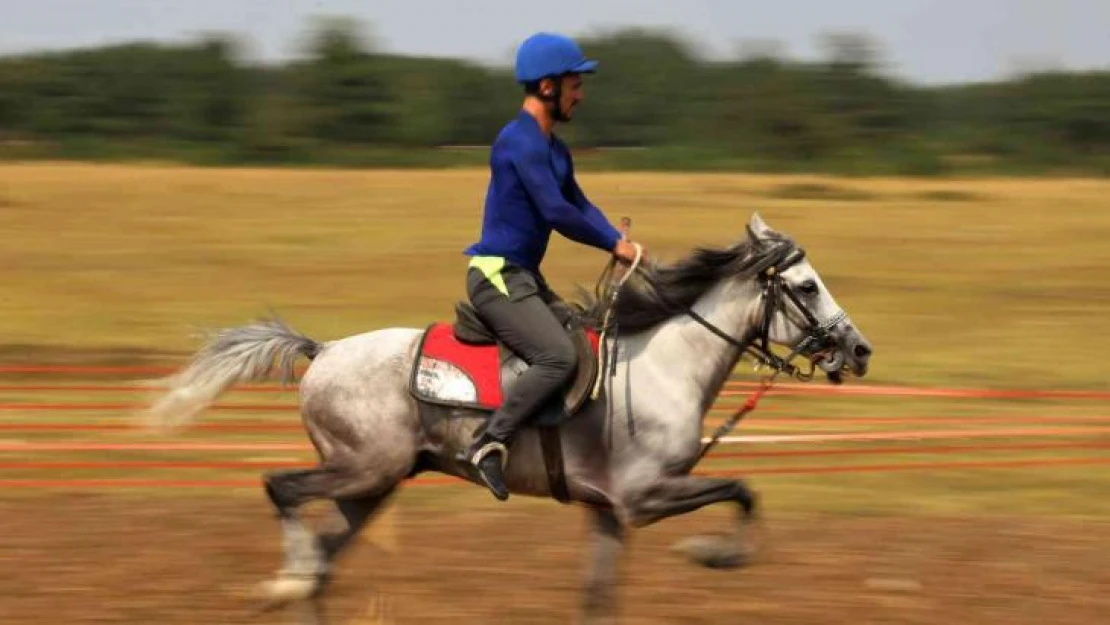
point(814, 344)
point(774, 293)
point(756, 343)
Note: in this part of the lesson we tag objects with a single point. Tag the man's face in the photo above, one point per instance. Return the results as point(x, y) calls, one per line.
point(572, 93)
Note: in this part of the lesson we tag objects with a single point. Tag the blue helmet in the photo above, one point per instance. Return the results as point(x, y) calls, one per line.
point(548, 54)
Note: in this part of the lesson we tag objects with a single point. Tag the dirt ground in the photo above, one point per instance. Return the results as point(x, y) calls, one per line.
point(113, 559)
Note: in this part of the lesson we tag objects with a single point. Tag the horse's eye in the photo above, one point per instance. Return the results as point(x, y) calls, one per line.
point(809, 287)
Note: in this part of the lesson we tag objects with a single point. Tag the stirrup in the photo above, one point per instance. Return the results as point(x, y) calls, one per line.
point(493, 477)
point(486, 450)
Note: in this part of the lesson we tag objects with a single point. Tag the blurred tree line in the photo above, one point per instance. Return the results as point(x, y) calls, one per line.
point(345, 102)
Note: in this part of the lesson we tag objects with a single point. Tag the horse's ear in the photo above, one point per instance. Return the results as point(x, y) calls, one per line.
point(757, 228)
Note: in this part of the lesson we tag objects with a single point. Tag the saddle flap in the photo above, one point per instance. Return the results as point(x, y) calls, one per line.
point(449, 372)
point(585, 347)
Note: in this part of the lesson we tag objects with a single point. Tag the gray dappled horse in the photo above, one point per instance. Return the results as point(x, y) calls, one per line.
point(628, 454)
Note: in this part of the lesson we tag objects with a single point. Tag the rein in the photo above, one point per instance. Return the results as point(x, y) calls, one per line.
point(615, 289)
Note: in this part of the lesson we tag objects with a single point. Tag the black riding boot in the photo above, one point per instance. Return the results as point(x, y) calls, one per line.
point(487, 457)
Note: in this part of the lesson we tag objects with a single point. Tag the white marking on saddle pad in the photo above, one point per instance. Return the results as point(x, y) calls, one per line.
point(444, 381)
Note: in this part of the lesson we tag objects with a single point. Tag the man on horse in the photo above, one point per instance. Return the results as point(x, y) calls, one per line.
point(532, 191)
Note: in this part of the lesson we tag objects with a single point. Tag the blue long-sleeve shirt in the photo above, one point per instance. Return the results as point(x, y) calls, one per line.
point(532, 191)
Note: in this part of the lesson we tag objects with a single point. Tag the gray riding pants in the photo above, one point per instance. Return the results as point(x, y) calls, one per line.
point(523, 320)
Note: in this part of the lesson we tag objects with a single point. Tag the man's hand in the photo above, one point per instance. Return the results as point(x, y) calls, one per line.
point(626, 251)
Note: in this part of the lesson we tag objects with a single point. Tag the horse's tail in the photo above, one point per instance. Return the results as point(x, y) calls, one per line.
point(243, 354)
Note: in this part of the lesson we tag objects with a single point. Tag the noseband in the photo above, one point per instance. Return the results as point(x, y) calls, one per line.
point(774, 293)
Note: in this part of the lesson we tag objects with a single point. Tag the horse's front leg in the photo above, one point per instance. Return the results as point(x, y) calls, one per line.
point(599, 604)
point(673, 496)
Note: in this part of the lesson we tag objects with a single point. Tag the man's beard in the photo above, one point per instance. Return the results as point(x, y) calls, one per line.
point(558, 115)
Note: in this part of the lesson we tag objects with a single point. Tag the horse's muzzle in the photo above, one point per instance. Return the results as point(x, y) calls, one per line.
point(857, 353)
point(851, 354)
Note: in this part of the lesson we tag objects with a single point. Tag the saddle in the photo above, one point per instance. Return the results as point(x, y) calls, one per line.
point(462, 364)
point(469, 328)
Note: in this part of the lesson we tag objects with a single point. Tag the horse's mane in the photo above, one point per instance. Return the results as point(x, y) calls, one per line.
point(658, 292)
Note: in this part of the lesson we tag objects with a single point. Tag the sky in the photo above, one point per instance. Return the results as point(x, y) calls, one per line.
point(926, 41)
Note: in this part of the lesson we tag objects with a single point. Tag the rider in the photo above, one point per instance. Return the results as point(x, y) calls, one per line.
point(532, 191)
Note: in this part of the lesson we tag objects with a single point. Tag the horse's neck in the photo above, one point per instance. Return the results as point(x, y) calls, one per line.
point(697, 361)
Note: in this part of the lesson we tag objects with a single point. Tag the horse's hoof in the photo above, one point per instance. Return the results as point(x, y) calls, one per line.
point(282, 591)
point(715, 552)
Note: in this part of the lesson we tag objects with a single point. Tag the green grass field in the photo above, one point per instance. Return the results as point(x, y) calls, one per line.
point(966, 283)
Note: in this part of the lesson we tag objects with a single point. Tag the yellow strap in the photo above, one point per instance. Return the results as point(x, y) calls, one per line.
point(491, 267)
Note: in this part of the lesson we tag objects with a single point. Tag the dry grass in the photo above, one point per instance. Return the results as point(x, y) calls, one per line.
point(1006, 288)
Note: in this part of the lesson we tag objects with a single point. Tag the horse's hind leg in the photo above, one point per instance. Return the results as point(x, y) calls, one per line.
point(356, 513)
point(307, 556)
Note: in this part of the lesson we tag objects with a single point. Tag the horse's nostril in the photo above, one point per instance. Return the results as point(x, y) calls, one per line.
point(861, 351)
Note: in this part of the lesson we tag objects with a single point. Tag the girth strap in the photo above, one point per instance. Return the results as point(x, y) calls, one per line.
point(552, 445)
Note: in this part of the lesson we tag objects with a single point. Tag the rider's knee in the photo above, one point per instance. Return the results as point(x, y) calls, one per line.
point(561, 358)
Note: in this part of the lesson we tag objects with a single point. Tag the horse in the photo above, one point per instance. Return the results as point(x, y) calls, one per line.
point(628, 453)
